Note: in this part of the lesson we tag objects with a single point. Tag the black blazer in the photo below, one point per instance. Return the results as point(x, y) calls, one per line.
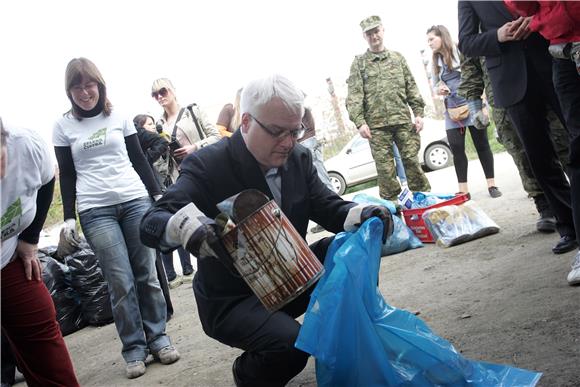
point(507, 62)
point(223, 169)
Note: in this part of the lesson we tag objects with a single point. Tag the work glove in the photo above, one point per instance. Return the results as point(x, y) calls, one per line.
point(358, 214)
point(69, 232)
point(383, 214)
point(480, 119)
point(198, 234)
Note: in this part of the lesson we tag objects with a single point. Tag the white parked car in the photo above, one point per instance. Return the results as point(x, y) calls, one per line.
point(354, 163)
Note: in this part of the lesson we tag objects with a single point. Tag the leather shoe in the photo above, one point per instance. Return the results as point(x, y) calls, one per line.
point(237, 380)
point(565, 244)
point(546, 223)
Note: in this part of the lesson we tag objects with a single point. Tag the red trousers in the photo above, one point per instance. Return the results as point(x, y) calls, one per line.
point(29, 323)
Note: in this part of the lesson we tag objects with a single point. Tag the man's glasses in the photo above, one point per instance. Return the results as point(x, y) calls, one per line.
point(161, 92)
point(280, 135)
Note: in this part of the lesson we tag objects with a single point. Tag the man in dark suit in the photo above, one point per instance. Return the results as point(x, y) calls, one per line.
point(262, 155)
point(520, 70)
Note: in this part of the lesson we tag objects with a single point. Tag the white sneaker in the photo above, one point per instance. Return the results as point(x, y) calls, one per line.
point(176, 282)
point(167, 355)
point(574, 275)
point(135, 369)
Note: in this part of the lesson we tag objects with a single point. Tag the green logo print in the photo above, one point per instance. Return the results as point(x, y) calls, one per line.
point(11, 219)
point(96, 139)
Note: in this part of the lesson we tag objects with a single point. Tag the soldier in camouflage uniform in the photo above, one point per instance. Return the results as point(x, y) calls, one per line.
point(474, 79)
point(381, 89)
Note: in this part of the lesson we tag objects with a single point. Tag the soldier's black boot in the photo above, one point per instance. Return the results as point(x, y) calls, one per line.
point(547, 221)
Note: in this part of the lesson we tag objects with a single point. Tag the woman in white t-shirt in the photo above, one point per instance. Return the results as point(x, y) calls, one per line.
point(28, 314)
point(105, 174)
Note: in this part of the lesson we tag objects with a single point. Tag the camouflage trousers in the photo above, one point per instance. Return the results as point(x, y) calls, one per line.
point(508, 137)
point(408, 141)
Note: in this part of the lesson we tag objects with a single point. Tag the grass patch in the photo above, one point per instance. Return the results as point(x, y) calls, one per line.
point(495, 146)
point(55, 211)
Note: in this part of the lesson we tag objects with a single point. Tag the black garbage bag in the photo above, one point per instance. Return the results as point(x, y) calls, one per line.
point(56, 278)
point(88, 281)
point(48, 250)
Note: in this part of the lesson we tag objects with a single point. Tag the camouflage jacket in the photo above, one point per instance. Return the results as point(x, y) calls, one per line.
point(474, 79)
point(381, 89)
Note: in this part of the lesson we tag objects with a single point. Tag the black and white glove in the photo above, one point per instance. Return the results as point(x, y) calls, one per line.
point(69, 232)
point(358, 214)
point(383, 214)
point(197, 233)
point(480, 119)
point(191, 229)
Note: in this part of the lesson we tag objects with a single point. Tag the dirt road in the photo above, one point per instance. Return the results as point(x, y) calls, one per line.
point(502, 299)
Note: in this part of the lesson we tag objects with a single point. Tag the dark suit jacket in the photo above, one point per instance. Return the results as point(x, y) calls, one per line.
point(219, 171)
point(507, 62)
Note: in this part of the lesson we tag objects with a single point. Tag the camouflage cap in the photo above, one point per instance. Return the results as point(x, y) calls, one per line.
point(370, 22)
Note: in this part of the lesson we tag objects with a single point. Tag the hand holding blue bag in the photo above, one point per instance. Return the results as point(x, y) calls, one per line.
point(360, 340)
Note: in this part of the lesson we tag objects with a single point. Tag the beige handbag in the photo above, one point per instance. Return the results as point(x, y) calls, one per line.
point(458, 113)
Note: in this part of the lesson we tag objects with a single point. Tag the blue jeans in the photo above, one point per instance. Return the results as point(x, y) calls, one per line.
point(139, 308)
point(399, 165)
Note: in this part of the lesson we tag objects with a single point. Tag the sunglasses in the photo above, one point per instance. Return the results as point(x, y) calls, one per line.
point(161, 92)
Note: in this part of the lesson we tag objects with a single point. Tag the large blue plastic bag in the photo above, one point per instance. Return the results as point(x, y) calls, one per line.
point(403, 238)
point(359, 340)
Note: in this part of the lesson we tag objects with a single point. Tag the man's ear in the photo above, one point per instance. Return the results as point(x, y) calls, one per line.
point(246, 122)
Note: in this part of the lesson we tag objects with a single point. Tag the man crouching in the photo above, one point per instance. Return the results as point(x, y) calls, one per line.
point(263, 155)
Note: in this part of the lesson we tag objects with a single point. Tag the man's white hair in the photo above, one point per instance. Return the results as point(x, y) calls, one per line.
point(259, 92)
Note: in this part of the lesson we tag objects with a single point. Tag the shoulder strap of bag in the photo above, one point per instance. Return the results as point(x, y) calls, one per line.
point(173, 135)
point(196, 122)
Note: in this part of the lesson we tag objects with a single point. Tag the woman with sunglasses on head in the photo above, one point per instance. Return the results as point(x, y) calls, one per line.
point(104, 172)
point(28, 314)
point(446, 79)
point(190, 130)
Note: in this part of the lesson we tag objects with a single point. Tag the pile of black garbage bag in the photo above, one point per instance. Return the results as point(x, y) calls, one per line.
point(77, 286)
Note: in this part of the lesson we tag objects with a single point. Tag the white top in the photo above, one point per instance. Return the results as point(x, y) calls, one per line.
point(105, 175)
point(29, 167)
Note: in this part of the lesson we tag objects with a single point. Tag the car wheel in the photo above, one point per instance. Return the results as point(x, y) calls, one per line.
point(337, 182)
point(437, 156)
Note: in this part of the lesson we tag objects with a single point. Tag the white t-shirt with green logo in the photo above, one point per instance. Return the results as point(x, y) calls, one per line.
point(105, 175)
point(29, 167)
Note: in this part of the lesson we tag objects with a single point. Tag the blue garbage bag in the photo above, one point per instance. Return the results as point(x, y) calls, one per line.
point(403, 238)
point(360, 340)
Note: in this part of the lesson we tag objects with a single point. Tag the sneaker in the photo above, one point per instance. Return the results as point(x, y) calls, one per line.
point(574, 275)
point(494, 192)
point(175, 282)
point(135, 369)
point(188, 276)
point(317, 228)
point(167, 355)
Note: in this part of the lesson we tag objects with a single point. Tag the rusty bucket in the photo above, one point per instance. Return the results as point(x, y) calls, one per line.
point(270, 255)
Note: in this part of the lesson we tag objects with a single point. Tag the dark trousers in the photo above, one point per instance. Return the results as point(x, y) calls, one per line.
point(567, 85)
point(456, 138)
point(29, 323)
point(270, 358)
point(529, 119)
point(8, 366)
point(160, 269)
point(184, 258)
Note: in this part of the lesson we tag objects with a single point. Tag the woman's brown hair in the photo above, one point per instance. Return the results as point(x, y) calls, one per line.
point(447, 48)
point(78, 68)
